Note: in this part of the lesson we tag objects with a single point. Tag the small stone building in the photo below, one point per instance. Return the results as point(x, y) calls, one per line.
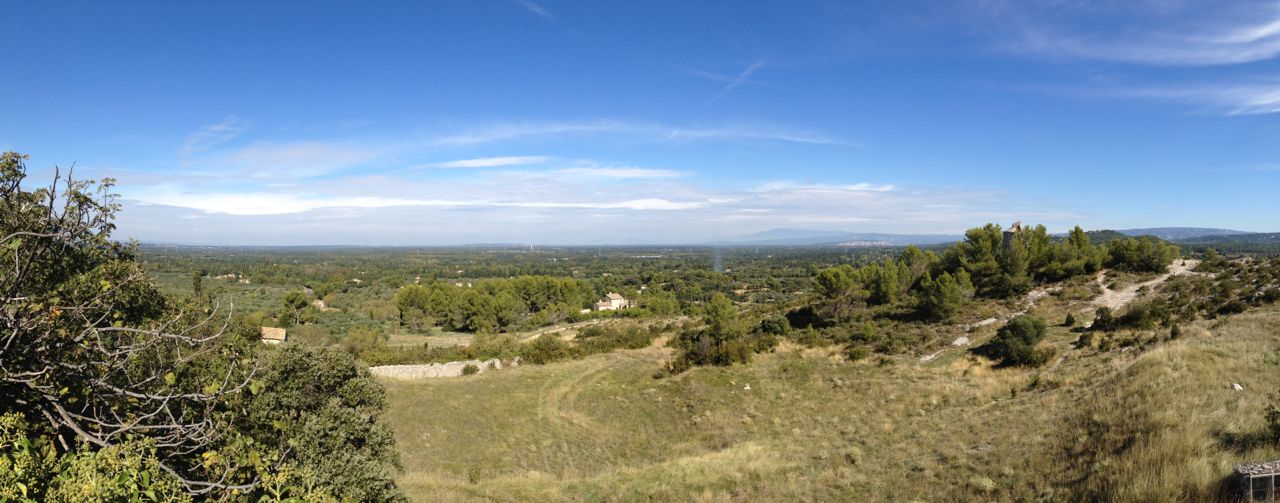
point(611, 302)
point(1259, 481)
point(273, 335)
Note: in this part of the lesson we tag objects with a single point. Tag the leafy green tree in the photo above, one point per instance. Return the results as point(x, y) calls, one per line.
point(940, 299)
point(979, 254)
point(1141, 254)
point(73, 359)
point(112, 392)
point(296, 301)
point(197, 284)
point(414, 303)
point(660, 302)
point(884, 283)
point(322, 408)
point(723, 341)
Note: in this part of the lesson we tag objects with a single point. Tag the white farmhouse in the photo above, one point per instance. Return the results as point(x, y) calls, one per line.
point(612, 302)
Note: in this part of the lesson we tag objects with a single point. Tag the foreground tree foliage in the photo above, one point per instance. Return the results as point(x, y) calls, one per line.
point(113, 392)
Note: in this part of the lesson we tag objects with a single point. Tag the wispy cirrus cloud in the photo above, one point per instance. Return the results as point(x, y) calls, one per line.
point(1186, 33)
point(298, 159)
point(535, 8)
point(626, 130)
point(494, 162)
point(213, 135)
point(275, 203)
point(305, 159)
point(1260, 98)
point(818, 187)
point(620, 172)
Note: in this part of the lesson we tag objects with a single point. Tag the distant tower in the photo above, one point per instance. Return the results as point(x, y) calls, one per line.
point(1011, 232)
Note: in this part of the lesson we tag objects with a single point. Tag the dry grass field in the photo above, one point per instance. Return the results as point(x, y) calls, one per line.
point(1154, 421)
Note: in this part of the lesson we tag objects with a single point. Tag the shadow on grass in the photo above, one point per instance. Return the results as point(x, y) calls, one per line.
point(1242, 442)
point(991, 351)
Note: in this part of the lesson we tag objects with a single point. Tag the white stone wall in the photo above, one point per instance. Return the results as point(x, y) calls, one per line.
point(451, 369)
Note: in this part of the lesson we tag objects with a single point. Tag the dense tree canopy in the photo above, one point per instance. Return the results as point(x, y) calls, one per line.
point(111, 388)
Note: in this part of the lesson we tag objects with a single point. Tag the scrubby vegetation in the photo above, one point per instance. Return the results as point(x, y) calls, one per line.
point(795, 374)
point(114, 392)
point(1015, 343)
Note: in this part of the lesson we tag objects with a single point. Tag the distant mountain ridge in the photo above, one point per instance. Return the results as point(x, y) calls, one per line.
point(1180, 233)
point(1259, 237)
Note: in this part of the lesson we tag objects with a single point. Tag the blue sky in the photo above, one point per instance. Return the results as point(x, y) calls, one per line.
point(553, 122)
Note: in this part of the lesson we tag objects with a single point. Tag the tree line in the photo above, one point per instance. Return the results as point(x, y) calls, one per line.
point(990, 262)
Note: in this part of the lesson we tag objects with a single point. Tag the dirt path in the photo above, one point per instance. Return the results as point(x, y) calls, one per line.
point(534, 334)
point(557, 407)
point(1116, 299)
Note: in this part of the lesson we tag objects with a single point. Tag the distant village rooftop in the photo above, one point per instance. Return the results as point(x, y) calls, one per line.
point(612, 301)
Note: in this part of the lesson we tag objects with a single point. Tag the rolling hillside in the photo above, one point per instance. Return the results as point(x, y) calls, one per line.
point(1158, 421)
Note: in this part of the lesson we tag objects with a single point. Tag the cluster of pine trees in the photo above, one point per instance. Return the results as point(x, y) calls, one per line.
point(491, 305)
point(990, 262)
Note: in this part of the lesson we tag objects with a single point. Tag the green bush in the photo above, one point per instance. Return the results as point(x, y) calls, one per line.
point(1015, 343)
point(546, 349)
point(855, 353)
point(1233, 306)
point(470, 369)
point(724, 340)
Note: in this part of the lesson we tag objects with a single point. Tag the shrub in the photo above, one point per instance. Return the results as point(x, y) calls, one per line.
point(545, 349)
point(1233, 306)
point(1102, 319)
point(470, 369)
point(1016, 342)
point(809, 338)
point(775, 325)
point(855, 353)
point(724, 340)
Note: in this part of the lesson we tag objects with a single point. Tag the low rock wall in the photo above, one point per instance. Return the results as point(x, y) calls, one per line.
point(451, 369)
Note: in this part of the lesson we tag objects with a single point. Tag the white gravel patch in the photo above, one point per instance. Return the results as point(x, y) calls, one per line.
point(451, 369)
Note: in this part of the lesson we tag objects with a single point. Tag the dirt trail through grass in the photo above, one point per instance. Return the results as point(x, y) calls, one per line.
point(557, 407)
point(534, 334)
point(1116, 299)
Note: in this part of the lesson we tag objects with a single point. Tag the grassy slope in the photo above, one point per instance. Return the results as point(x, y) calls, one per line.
point(1154, 423)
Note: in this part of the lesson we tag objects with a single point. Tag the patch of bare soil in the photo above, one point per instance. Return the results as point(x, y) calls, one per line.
point(1116, 299)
